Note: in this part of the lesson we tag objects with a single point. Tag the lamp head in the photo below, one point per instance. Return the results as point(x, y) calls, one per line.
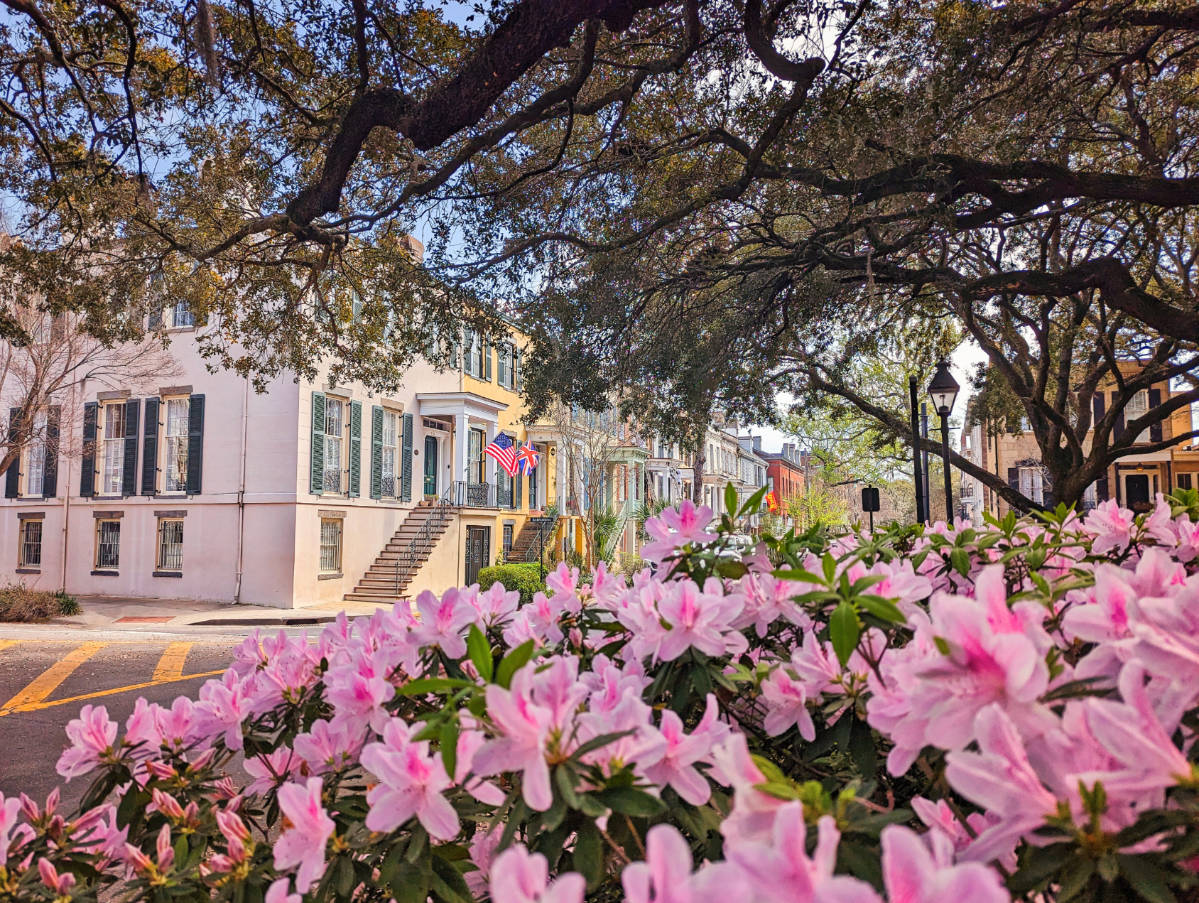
point(943, 389)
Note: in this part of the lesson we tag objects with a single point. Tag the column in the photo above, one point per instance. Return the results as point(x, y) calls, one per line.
point(461, 444)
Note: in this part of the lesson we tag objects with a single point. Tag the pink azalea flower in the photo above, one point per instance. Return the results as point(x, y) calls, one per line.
point(222, 709)
point(665, 875)
point(520, 877)
point(269, 770)
point(675, 528)
point(786, 704)
point(411, 783)
point(524, 728)
point(303, 842)
point(701, 619)
point(93, 737)
point(443, 621)
point(10, 832)
point(496, 605)
point(1106, 615)
point(59, 884)
point(913, 873)
point(1110, 525)
point(781, 871)
point(679, 754)
point(328, 746)
point(280, 892)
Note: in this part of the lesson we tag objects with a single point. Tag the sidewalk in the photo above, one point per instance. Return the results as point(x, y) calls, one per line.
point(101, 612)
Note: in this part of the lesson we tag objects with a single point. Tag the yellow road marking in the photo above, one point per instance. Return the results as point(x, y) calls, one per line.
point(4, 644)
point(38, 706)
point(47, 682)
point(170, 666)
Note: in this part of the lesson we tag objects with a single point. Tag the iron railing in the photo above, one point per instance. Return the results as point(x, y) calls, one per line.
point(442, 512)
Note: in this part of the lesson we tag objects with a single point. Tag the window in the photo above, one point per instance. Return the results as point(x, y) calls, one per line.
point(507, 541)
point(29, 555)
point(330, 544)
point(1138, 406)
point(35, 457)
point(180, 316)
point(473, 354)
point(505, 374)
point(175, 445)
point(170, 544)
point(1032, 483)
point(112, 457)
point(1184, 481)
point(108, 544)
point(391, 434)
point(334, 426)
point(478, 462)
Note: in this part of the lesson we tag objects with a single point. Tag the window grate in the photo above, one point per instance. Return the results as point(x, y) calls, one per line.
point(31, 543)
point(170, 545)
point(108, 544)
point(330, 544)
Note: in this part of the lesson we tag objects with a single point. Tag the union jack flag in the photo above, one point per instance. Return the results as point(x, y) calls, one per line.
point(527, 459)
point(503, 450)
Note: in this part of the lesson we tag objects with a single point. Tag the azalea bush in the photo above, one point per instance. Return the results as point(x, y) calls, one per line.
point(942, 714)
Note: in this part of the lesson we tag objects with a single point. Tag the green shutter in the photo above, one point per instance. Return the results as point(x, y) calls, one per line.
point(376, 452)
point(519, 479)
point(486, 346)
point(50, 477)
point(316, 476)
point(355, 449)
point(406, 461)
point(195, 444)
point(150, 448)
point(518, 378)
point(133, 416)
point(12, 476)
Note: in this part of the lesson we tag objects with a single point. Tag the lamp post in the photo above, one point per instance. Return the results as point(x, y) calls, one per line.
point(944, 390)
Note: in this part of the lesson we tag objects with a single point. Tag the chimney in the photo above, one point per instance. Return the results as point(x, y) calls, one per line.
point(757, 443)
point(413, 246)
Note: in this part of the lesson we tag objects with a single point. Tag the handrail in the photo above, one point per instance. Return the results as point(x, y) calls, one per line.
point(441, 513)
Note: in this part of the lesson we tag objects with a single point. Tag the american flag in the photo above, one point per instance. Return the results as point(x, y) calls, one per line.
point(504, 451)
point(527, 458)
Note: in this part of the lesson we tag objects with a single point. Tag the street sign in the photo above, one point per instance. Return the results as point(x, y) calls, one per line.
point(870, 499)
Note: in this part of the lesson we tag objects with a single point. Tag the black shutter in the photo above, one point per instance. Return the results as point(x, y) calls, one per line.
point(406, 461)
point(195, 444)
point(87, 473)
point(1101, 492)
point(12, 476)
point(1097, 408)
point(486, 346)
point(150, 448)
point(518, 377)
point(518, 498)
point(1013, 478)
point(50, 467)
point(133, 414)
point(377, 452)
point(355, 449)
point(1118, 429)
point(1155, 400)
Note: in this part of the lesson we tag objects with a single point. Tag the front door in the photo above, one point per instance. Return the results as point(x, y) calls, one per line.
point(478, 546)
point(1136, 488)
point(533, 500)
point(430, 465)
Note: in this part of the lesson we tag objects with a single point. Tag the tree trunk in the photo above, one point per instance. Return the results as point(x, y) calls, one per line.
point(697, 468)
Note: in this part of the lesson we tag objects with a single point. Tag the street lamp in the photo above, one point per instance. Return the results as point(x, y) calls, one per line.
point(944, 390)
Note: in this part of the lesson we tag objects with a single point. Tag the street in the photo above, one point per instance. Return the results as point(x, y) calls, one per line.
point(44, 680)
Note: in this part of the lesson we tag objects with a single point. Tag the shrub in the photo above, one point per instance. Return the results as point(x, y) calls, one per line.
point(20, 603)
point(940, 714)
point(524, 577)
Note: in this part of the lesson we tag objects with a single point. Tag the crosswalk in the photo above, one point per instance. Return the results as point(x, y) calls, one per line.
point(40, 692)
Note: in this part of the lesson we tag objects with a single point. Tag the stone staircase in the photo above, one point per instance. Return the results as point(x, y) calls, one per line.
point(526, 546)
point(387, 580)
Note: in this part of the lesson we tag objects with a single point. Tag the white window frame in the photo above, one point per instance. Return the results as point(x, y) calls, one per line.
point(1138, 406)
point(180, 316)
point(173, 565)
point(390, 453)
point(335, 446)
point(1032, 483)
point(505, 365)
point(114, 445)
point(167, 484)
point(23, 543)
point(34, 454)
point(98, 562)
point(330, 545)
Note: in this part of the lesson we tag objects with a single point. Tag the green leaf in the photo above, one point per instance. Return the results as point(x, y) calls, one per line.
point(564, 780)
point(448, 739)
point(730, 497)
point(1149, 881)
point(883, 609)
point(448, 873)
point(630, 801)
point(596, 742)
point(424, 685)
point(960, 559)
point(513, 662)
point(480, 652)
point(410, 884)
point(589, 854)
point(844, 628)
point(1074, 878)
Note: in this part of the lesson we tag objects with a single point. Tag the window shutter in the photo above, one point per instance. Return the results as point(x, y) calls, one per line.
point(50, 467)
point(518, 376)
point(150, 448)
point(355, 449)
point(316, 452)
point(1118, 429)
point(133, 414)
point(1155, 400)
point(406, 461)
point(1101, 492)
point(486, 346)
point(1097, 408)
point(12, 476)
point(518, 498)
point(87, 473)
point(195, 444)
point(377, 452)
point(468, 351)
point(1013, 478)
